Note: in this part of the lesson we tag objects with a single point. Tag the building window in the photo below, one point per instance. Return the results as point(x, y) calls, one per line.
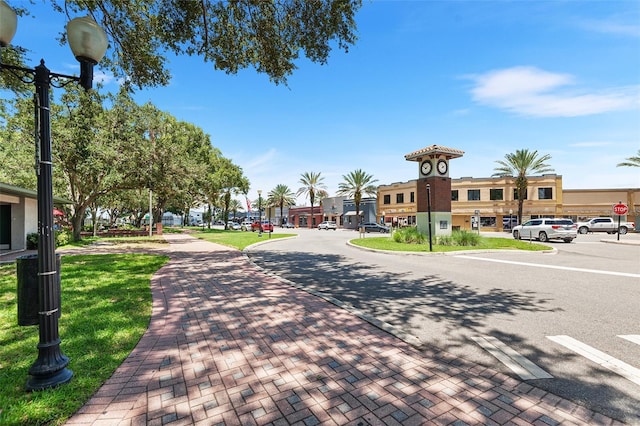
point(412, 197)
point(515, 194)
point(488, 222)
point(545, 193)
point(387, 199)
point(399, 198)
point(454, 195)
point(496, 194)
point(473, 195)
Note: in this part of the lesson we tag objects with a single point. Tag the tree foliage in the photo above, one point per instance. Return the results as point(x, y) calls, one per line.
point(355, 184)
point(17, 147)
point(281, 196)
point(268, 35)
point(312, 186)
point(226, 180)
point(109, 158)
point(633, 161)
point(93, 148)
point(519, 165)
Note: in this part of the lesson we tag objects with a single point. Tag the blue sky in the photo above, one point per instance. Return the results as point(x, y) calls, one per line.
point(485, 77)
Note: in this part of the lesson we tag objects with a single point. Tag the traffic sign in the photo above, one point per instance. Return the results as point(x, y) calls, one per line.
point(620, 209)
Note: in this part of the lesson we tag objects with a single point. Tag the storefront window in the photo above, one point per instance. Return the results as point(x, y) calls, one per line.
point(488, 222)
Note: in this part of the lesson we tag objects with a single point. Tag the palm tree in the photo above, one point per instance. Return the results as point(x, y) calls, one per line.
point(281, 196)
point(312, 186)
point(520, 164)
point(355, 184)
point(235, 206)
point(631, 161)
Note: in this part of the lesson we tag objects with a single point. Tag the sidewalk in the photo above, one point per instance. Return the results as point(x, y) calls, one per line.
point(228, 344)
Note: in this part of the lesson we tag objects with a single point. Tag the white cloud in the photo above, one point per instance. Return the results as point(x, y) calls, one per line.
point(611, 27)
point(530, 91)
point(102, 77)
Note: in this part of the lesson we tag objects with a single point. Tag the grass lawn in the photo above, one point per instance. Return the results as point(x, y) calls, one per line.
point(485, 243)
point(237, 239)
point(106, 307)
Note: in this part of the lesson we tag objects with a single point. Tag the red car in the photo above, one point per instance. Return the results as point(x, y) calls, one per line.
point(265, 225)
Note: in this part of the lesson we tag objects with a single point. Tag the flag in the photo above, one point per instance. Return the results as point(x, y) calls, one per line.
point(248, 204)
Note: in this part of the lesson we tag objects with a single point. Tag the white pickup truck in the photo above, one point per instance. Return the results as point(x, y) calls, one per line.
point(604, 224)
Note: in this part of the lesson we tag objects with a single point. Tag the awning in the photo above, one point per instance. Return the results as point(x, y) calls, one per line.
point(351, 213)
point(57, 212)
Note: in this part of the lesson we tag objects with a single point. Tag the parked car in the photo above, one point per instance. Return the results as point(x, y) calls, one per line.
point(234, 226)
point(288, 225)
point(246, 225)
point(265, 225)
point(373, 227)
point(544, 229)
point(604, 224)
point(327, 224)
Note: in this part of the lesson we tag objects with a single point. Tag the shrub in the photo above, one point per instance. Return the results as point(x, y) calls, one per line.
point(446, 240)
point(409, 235)
point(32, 241)
point(465, 238)
point(63, 238)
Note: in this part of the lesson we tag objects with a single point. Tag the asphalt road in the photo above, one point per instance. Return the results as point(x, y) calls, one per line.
point(586, 293)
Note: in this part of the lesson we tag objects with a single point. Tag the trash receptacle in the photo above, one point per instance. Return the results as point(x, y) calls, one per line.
point(28, 294)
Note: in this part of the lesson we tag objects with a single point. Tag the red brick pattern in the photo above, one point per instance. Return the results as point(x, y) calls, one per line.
point(229, 345)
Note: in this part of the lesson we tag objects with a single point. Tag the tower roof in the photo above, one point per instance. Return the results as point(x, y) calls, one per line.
point(432, 151)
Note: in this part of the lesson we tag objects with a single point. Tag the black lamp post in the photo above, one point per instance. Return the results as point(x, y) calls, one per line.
point(259, 213)
point(88, 43)
point(429, 215)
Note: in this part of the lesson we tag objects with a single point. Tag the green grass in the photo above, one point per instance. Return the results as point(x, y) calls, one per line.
point(106, 307)
point(484, 243)
point(237, 239)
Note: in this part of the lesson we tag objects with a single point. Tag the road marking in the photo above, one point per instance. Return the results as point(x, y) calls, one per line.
point(565, 268)
point(634, 338)
point(520, 365)
point(607, 361)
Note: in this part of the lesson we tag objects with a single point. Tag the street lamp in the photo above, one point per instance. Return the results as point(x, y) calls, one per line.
point(88, 43)
point(269, 206)
point(259, 213)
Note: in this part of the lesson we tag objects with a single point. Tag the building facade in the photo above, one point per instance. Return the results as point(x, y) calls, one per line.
point(338, 209)
point(302, 217)
point(367, 212)
point(19, 216)
point(490, 204)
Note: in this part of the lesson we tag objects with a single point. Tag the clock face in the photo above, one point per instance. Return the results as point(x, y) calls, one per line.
point(442, 167)
point(425, 167)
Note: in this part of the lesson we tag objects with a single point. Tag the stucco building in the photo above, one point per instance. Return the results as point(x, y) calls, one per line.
point(494, 201)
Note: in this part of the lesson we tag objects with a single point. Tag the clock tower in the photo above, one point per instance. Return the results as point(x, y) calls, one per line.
point(433, 194)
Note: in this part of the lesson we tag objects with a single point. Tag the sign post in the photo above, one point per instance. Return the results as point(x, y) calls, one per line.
point(620, 209)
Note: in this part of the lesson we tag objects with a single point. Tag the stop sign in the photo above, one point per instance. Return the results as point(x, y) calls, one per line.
point(620, 208)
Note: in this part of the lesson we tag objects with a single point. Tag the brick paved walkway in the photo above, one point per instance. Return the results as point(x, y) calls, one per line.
point(230, 345)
